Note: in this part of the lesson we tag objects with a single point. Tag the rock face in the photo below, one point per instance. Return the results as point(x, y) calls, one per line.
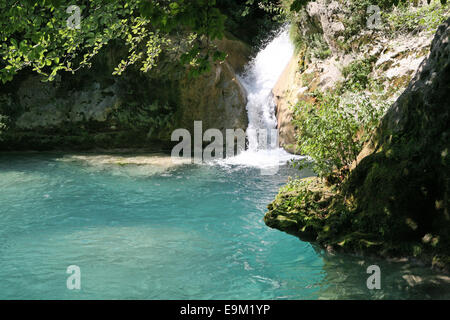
point(395, 60)
point(327, 16)
point(238, 52)
point(93, 109)
point(406, 178)
point(217, 98)
point(396, 200)
point(285, 96)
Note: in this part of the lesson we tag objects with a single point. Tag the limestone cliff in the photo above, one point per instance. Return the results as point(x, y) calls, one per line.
point(326, 46)
point(93, 109)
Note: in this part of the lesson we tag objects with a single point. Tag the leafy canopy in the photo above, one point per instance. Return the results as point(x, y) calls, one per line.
point(35, 34)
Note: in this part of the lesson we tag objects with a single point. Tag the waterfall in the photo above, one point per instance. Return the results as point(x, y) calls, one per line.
point(259, 78)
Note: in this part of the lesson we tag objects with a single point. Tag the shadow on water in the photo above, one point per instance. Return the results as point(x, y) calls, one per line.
point(347, 275)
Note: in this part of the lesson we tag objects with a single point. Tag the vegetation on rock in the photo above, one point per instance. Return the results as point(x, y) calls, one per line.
point(333, 133)
point(395, 202)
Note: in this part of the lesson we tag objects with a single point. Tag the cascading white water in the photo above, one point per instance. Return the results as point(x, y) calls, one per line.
point(259, 78)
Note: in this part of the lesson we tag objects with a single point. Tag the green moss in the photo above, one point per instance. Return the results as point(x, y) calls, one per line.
point(314, 212)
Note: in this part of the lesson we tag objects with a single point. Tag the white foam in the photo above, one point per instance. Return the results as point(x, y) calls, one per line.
point(261, 75)
point(263, 159)
point(259, 78)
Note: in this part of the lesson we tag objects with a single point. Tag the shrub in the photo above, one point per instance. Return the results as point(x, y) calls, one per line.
point(407, 19)
point(332, 133)
point(356, 75)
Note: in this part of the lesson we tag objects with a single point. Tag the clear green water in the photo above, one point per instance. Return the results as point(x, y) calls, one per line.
point(187, 232)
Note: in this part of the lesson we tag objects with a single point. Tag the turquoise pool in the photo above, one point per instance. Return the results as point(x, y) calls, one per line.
point(141, 228)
